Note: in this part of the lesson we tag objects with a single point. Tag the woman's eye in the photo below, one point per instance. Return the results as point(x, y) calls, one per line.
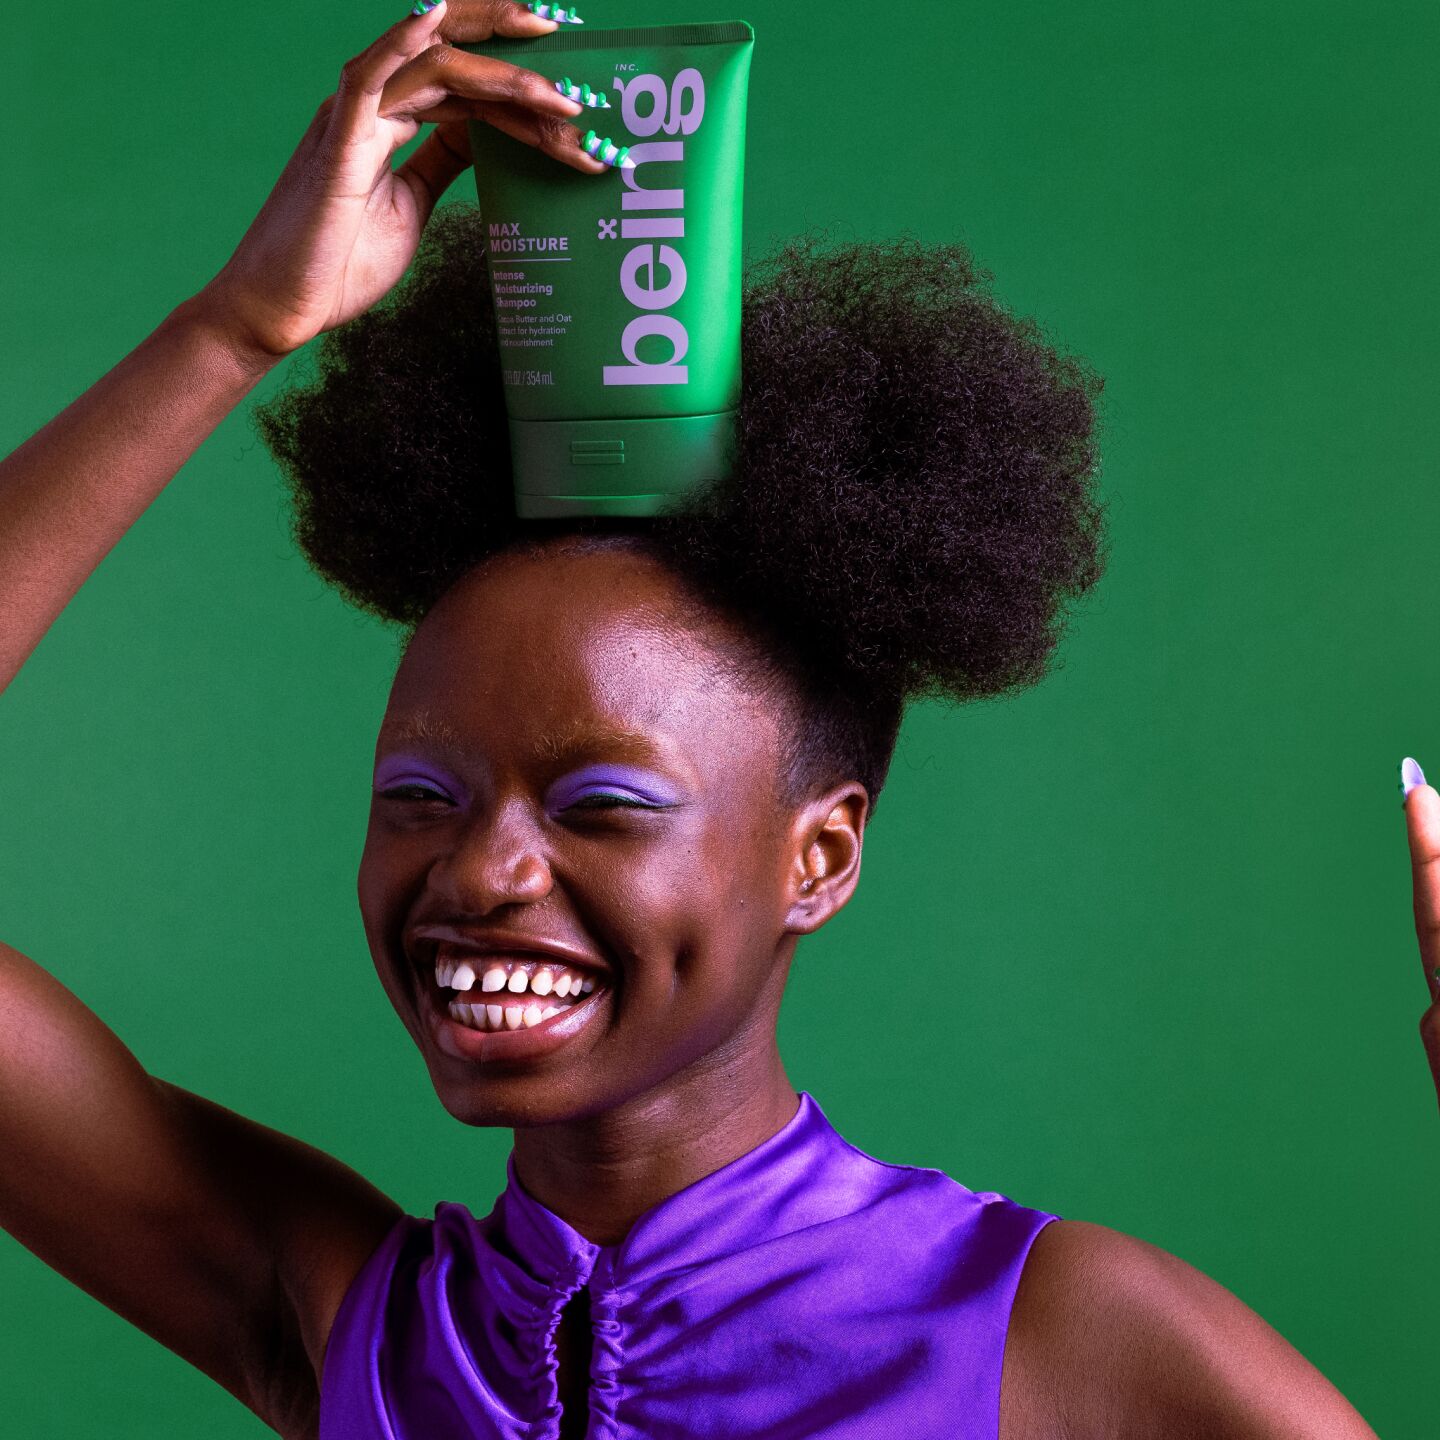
point(413, 792)
point(599, 800)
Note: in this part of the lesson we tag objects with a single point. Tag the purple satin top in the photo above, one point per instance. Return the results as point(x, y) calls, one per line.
point(803, 1290)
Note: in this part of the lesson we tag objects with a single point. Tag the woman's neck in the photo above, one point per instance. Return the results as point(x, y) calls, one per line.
point(602, 1173)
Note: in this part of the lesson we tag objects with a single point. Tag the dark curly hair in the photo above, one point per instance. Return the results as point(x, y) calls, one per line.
point(912, 507)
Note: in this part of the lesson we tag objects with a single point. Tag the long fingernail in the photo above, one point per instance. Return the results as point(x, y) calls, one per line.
point(583, 94)
point(1411, 775)
point(424, 7)
point(607, 152)
point(558, 13)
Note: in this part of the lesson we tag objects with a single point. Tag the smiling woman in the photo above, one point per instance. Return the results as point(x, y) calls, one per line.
point(625, 767)
point(639, 757)
point(912, 506)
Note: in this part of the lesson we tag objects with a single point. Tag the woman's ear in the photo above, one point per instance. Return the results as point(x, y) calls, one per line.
point(827, 837)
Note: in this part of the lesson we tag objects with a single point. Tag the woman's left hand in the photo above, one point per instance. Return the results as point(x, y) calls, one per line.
point(1422, 821)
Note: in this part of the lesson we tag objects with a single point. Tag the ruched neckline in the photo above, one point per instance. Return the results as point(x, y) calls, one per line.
point(804, 1289)
point(784, 1177)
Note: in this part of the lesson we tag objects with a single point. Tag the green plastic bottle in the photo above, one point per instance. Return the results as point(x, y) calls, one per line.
point(617, 296)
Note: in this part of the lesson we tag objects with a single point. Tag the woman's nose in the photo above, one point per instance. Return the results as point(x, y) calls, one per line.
point(498, 860)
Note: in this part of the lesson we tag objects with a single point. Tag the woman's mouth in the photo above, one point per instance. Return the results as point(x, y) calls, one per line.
point(496, 994)
point(493, 1006)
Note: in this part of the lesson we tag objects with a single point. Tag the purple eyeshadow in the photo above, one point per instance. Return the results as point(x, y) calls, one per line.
point(598, 779)
point(396, 770)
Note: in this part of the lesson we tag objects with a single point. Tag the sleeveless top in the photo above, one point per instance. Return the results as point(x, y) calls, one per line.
point(804, 1290)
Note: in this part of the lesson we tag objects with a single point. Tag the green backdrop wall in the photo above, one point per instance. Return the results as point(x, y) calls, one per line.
point(1160, 972)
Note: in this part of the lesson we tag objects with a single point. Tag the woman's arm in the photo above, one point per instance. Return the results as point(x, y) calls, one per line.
point(72, 490)
point(1112, 1338)
point(230, 1243)
point(193, 1223)
point(335, 235)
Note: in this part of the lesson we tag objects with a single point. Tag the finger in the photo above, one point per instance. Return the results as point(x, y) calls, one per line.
point(362, 80)
point(1422, 825)
point(1430, 1036)
point(442, 72)
point(544, 132)
point(430, 171)
point(480, 19)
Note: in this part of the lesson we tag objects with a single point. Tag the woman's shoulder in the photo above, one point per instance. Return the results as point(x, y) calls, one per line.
point(1113, 1336)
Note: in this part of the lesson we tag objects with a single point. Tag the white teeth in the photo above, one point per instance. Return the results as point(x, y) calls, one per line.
point(460, 975)
point(503, 1017)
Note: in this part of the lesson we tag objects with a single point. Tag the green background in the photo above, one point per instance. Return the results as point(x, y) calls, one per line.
point(1134, 947)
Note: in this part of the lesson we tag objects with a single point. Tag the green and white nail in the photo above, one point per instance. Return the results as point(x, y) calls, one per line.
point(558, 13)
point(583, 94)
point(607, 151)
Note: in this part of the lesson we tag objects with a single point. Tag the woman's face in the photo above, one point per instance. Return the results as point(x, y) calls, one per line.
point(570, 789)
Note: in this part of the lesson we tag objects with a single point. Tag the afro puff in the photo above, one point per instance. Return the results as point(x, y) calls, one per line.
point(911, 510)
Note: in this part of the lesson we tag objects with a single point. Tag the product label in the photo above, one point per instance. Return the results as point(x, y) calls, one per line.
point(618, 294)
point(653, 276)
point(525, 313)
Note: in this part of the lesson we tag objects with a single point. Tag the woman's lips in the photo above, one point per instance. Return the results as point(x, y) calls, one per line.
point(462, 1042)
point(477, 945)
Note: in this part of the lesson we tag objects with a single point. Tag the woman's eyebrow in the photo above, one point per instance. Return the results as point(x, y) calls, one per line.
point(556, 747)
point(421, 728)
point(596, 738)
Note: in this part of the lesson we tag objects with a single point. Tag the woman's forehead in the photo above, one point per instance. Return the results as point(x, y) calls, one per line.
point(557, 652)
point(559, 590)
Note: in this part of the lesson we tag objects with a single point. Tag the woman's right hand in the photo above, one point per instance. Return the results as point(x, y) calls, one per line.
point(341, 226)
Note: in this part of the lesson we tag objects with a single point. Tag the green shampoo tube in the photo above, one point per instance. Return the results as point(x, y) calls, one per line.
point(617, 296)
